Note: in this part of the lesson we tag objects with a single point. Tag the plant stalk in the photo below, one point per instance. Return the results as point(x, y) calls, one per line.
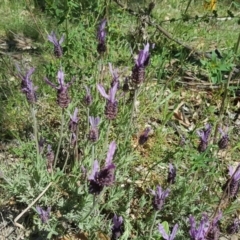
point(60, 139)
point(35, 129)
point(153, 224)
point(93, 207)
point(188, 5)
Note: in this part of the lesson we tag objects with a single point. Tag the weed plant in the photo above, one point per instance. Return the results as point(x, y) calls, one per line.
point(100, 137)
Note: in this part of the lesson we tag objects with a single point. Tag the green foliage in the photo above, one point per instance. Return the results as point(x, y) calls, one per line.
point(216, 67)
point(155, 104)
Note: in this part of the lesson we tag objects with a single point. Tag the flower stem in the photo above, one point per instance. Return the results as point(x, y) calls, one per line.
point(68, 153)
point(189, 2)
point(75, 151)
point(106, 138)
point(93, 153)
point(35, 129)
point(108, 131)
point(60, 139)
point(93, 207)
point(132, 114)
point(101, 68)
point(153, 224)
point(86, 135)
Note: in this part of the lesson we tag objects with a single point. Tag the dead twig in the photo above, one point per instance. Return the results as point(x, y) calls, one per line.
point(25, 210)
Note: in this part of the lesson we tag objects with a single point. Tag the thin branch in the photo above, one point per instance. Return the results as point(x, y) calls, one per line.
point(26, 209)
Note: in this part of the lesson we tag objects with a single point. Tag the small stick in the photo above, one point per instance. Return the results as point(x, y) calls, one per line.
point(26, 209)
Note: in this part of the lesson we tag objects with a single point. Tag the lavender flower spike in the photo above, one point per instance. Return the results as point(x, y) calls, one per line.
point(138, 71)
point(144, 136)
point(198, 233)
point(94, 186)
point(159, 197)
point(88, 97)
point(93, 133)
point(101, 36)
point(63, 99)
point(104, 177)
point(234, 226)
point(171, 174)
point(236, 176)
point(115, 77)
point(111, 106)
point(143, 57)
point(224, 140)
point(118, 227)
point(165, 235)
point(41, 143)
point(213, 230)
point(44, 215)
point(27, 85)
point(235, 181)
point(110, 154)
point(73, 121)
point(58, 52)
point(204, 137)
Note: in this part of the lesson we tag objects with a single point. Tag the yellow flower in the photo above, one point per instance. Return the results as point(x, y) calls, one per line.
point(210, 4)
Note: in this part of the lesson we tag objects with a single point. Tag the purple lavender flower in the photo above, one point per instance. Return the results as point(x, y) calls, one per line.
point(44, 215)
point(213, 230)
point(27, 85)
point(94, 186)
point(93, 133)
point(165, 235)
point(234, 227)
point(111, 107)
point(58, 52)
point(198, 233)
point(62, 90)
point(224, 140)
point(138, 71)
point(41, 143)
point(73, 121)
point(234, 180)
point(204, 137)
point(88, 97)
point(118, 227)
point(159, 197)
point(115, 77)
point(125, 87)
point(171, 174)
point(72, 125)
point(104, 177)
point(144, 136)
point(143, 57)
point(101, 36)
